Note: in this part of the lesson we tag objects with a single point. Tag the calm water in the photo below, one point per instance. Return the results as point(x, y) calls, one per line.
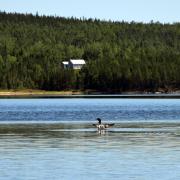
point(54, 139)
point(88, 109)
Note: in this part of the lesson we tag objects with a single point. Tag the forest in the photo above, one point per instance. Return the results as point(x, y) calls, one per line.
point(120, 56)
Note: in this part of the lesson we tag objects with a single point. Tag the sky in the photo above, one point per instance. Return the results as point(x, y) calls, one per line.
point(164, 11)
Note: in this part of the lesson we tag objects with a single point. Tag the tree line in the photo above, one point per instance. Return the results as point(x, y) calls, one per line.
point(120, 56)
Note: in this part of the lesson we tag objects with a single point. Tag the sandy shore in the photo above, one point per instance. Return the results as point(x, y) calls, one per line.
point(37, 92)
point(29, 93)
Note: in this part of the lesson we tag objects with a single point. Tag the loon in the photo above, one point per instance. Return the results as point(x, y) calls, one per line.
point(102, 126)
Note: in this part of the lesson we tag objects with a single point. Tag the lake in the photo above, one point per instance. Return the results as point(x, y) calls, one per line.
point(54, 139)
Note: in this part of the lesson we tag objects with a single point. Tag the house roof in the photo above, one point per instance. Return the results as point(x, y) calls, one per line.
point(65, 62)
point(77, 61)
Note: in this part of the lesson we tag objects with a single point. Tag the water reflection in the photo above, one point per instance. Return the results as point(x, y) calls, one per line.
point(61, 135)
point(64, 151)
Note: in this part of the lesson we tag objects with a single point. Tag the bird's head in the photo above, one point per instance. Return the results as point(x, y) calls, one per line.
point(99, 120)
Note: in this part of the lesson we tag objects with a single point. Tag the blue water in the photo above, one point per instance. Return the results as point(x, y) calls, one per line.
point(89, 109)
point(54, 139)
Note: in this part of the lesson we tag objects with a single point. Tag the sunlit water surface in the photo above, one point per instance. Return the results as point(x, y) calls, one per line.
point(55, 139)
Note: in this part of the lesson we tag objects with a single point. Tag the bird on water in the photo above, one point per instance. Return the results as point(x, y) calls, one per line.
point(102, 126)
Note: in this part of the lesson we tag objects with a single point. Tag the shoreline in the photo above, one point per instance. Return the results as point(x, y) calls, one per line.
point(84, 94)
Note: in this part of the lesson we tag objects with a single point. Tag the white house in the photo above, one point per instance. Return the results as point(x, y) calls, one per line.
point(74, 63)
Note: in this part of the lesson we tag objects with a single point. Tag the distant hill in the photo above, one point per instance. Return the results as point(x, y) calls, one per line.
point(120, 56)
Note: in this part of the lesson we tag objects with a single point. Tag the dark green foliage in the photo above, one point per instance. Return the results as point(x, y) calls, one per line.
point(120, 56)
